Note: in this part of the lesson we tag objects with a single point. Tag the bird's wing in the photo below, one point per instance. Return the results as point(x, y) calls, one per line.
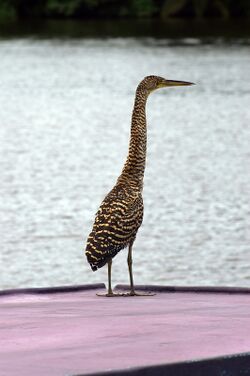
point(116, 224)
point(121, 212)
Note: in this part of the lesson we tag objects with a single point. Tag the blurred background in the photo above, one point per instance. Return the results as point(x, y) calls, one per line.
point(68, 73)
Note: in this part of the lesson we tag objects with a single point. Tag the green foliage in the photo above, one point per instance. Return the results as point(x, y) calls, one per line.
point(7, 10)
point(23, 8)
point(222, 7)
point(143, 8)
point(124, 8)
point(63, 7)
point(171, 7)
point(198, 7)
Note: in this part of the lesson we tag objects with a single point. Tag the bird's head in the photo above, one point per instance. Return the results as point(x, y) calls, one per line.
point(151, 83)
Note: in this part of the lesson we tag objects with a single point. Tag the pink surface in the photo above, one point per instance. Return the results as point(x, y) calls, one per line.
point(78, 332)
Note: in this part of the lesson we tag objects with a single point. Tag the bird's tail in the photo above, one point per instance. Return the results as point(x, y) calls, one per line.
point(94, 262)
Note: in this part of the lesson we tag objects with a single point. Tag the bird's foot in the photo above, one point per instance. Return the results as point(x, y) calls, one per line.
point(125, 294)
point(111, 294)
point(134, 293)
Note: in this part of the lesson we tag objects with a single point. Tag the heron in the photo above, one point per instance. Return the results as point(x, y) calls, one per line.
point(120, 214)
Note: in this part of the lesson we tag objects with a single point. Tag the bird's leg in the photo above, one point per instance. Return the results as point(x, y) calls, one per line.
point(110, 292)
point(132, 289)
point(132, 292)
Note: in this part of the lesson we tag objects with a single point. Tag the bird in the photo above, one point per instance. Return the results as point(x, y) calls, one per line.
point(120, 214)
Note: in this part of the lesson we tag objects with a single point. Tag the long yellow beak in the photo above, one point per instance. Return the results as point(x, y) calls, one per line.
point(176, 83)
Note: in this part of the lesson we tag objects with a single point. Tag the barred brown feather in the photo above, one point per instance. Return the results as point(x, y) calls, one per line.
point(116, 224)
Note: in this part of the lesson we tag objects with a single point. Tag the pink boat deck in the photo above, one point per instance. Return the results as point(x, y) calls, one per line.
point(71, 331)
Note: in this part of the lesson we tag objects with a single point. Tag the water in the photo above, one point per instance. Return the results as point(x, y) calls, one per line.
point(64, 129)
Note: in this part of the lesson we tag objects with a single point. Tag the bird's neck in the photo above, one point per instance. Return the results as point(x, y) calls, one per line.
point(134, 167)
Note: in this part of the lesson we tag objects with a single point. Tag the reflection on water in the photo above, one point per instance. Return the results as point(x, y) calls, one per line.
point(64, 129)
point(210, 31)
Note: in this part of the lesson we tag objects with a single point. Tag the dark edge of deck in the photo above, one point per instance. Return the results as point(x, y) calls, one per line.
point(192, 289)
point(153, 288)
point(229, 365)
point(52, 290)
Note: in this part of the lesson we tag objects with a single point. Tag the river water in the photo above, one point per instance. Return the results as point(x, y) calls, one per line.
point(64, 126)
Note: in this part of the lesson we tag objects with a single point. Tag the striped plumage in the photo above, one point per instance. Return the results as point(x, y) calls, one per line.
point(121, 212)
point(116, 224)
